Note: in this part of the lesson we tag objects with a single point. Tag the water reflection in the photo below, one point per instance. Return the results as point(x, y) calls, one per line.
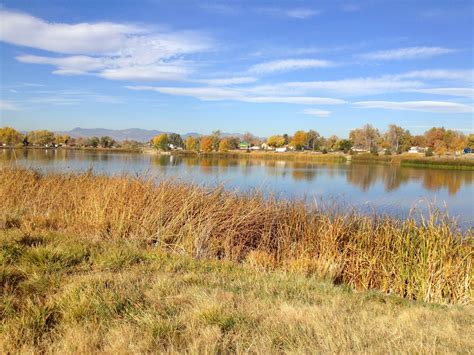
point(357, 183)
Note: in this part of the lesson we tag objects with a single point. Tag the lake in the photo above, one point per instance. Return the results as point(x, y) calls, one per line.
point(387, 189)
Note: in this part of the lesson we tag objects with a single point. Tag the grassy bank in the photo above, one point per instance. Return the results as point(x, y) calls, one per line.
point(75, 294)
point(428, 261)
point(439, 163)
point(297, 156)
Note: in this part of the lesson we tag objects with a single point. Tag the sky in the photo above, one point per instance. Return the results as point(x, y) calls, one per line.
point(267, 67)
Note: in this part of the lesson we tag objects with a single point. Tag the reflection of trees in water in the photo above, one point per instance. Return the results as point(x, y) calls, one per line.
point(366, 175)
point(436, 179)
point(362, 175)
point(299, 174)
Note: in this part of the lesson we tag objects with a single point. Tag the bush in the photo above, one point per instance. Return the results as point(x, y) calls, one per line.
point(429, 152)
point(387, 152)
point(324, 151)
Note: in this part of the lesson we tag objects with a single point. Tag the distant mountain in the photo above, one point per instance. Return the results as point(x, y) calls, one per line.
point(136, 134)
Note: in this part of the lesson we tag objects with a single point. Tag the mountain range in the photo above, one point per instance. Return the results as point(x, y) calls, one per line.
point(136, 134)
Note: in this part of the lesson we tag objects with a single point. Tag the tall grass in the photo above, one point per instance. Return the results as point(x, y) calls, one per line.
point(461, 164)
point(298, 156)
point(429, 260)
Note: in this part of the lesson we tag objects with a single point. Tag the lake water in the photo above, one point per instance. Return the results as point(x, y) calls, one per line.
point(383, 188)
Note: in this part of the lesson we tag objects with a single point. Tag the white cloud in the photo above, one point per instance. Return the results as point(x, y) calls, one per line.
point(316, 112)
point(219, 94)
point(439, 74)
point(109, 50)
point(406, 53)
point(26, 30)
point(289, 65)
point(7, 106)
point(229, 81)
point(464, 92)
point(295, 13)
point(302, 13)
point(146, 73)
point(423, 106)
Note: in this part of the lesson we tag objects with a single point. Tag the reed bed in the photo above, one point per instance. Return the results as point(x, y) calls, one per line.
point(429, 259)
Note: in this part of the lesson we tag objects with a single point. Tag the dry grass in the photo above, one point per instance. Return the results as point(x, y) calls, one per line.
point(428, 261)
point(75, 294)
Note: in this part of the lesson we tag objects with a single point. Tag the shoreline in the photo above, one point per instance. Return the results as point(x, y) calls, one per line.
point(449, 163)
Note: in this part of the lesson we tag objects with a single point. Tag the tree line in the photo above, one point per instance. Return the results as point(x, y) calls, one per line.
point(394, 139)
point(367, 138)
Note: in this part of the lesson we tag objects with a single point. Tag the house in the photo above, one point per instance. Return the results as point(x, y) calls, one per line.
point(255, 147)
point(265, 146)
point(244, 146)
point(468, 151)
point(281, 150)
point(416, 150)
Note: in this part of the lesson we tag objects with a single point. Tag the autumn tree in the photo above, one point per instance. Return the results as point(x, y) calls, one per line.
point(470, 141)
point(365, 137)
point(331, 142)
point(224, 145)
point(314, 139)
point(160, 142)
point(10, 136)
point(191, 143)
point(395, 136)
point(41, 137)
point(299, 140)
point(434, 135)
point(276, 141)
point(206, 144)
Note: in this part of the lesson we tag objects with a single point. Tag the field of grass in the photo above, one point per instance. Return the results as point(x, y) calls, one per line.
point(64, 293)
point(242, 154)
point(430, 261)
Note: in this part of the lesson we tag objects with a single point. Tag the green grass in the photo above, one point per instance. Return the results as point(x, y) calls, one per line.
point(69, 294)
point(438, 163)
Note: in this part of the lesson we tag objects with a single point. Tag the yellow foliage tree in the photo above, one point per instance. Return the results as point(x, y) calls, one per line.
point(300, 139)
point(10, 136)
point(206, 144)
point(276, 141)
point(160, 141)
point(191, 143)
point(224, 145)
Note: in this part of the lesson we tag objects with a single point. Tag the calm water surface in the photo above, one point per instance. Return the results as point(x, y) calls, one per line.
point(384, 188)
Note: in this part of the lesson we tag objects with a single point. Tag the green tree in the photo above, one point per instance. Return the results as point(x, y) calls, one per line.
point(92, 142)
point(106, 142)
point(344, 145)
point(176, 140)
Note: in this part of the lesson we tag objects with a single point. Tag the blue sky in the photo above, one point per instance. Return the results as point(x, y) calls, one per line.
point(259, 66)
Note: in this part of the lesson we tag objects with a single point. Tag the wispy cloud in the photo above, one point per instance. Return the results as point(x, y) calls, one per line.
point(229, 81)
point(300, 13)
point(406, 53)
point(316, 112)
point(8, 106)
point(439, 74)
point(423, 106)
point(110, 50)
point(289, 65)
point(243, 95)
point(463, 92)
